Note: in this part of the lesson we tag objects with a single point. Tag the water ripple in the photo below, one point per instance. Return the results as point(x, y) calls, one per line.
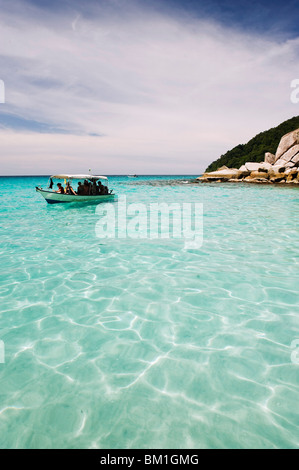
point(142, 344)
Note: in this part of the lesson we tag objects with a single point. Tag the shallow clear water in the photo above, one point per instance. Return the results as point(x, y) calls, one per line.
point(121, 343)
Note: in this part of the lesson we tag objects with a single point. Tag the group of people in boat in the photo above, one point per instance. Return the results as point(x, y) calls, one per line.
point(88, 188)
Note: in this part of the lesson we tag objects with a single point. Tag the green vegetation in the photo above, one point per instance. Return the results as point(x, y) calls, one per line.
point(254, 150)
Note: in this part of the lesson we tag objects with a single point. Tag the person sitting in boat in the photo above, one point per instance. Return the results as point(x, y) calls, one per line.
point(80, 190)
point(100, 188)
point(94, 188)
point(60, 189)
point(86, 188)
point(69, 189)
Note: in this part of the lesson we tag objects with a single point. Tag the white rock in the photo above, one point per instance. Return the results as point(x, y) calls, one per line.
point(289, 165)
point(243, 168)
point(269, 158)
point(289, 154)
point(286, 142)
point(295, 159)
point(252, 166)
point(224, 167)
point(280, 162)
point(266, 166)
point(224, 172)
point(276, 169)
point(220, 175)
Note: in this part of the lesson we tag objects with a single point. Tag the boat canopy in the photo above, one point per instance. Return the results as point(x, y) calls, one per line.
point(79, 177)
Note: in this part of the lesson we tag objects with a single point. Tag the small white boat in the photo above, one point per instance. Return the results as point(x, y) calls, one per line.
point(54, 197)
point(132, 176)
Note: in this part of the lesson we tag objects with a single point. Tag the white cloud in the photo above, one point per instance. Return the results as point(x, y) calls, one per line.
point(166, 95)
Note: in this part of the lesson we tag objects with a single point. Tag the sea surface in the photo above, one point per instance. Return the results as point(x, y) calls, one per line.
point(145, 343)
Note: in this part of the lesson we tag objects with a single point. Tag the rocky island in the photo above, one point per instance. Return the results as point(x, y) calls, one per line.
point(283, 167)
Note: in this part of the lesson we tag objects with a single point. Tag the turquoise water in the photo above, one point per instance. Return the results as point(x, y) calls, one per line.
point(122, 343)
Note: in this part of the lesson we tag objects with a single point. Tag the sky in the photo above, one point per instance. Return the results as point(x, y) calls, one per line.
point(122, 87)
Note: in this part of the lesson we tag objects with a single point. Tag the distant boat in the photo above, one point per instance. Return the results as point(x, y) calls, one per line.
point(132, 176)
point(53, 197)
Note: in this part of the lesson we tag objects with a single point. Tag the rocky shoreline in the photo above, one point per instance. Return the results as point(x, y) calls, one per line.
point(282, 168)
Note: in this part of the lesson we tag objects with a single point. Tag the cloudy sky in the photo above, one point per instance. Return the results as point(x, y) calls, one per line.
point(123, 86)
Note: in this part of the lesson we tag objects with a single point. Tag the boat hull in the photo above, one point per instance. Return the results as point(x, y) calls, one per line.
point(56, 198)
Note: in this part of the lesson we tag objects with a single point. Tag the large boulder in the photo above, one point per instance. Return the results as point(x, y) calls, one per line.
point(222, 175)
point(265, 166)
point(289, 154)
point(289, 165)
point(277, 173)
point(269, 158)
point(286, 142)
point(243, 172)
point(258, 175)
point(283, 163)
point(292, 174)
point(280, 162)
point(276, 169)
point(295, 159)
point(252, 166)
point(224, 167)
